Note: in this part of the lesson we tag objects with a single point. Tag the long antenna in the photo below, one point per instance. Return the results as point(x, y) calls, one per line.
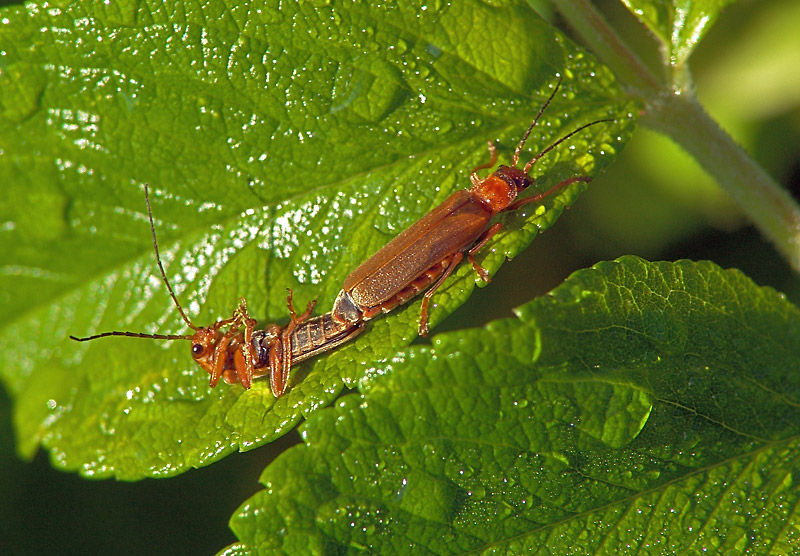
point(169, 287)
point(158, 260)
point(518, 150)
point(533, 160)
point(134, 335)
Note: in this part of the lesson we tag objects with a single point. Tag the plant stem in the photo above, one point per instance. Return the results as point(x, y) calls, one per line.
point(672, 109)
point(762, 200)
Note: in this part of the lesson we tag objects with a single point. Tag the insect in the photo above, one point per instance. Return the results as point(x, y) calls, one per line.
point(242, 353)
point(426, 253)
point(420, 258)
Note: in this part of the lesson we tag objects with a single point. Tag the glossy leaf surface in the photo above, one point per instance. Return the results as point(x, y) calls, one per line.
point(640, 408)
point(282, 148)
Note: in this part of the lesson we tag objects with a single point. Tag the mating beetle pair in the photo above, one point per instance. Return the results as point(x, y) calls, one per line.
point(419, 259)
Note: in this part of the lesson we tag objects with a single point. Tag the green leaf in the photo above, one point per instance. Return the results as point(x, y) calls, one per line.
point(678, 24)
point(640, 407)
point(283, 147)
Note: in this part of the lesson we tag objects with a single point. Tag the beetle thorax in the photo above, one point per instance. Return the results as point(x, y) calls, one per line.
point(500, 189)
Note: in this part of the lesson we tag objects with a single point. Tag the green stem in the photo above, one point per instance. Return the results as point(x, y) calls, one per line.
point(673, 110)
point(765, 202)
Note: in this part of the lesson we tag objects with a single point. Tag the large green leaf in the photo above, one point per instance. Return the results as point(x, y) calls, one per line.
point(647, 408)
point(283, 147)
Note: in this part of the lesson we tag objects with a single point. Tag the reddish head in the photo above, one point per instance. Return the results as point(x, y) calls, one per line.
point(499, 190)
point(205, 340)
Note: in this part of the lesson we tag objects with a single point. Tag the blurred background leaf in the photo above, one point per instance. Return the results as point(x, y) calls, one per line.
point(679, 26)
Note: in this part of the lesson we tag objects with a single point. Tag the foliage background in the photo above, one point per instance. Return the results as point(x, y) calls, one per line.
point(652, 202)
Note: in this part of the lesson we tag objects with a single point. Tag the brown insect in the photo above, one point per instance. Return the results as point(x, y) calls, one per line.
point(242, 353)
point(426, 253)
point(420, 258)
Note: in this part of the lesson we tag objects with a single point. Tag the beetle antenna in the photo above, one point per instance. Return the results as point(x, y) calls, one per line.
point(169, 287)
point(533, 160)
point(518, 150)
point(160, 266)
point(134, 335)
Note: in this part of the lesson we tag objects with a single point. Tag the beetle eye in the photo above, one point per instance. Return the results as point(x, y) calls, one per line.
point(197, 349)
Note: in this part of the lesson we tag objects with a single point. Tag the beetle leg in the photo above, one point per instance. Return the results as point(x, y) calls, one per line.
point(285, 343)
point(238, 374)
point(286, 364)
point(276, 382)
point(486, 236)
point(295, 319)
point(473, 175)
point(220, 355)
point(248, 351)
point(539, 196)
point(423, 314)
